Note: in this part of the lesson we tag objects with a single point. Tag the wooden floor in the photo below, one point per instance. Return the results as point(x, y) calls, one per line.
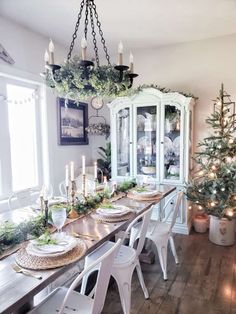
point(204, 282)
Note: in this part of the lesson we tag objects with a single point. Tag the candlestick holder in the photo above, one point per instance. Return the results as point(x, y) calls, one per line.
point(131, 77)
point(84, 185)
point(41, 204)
point(95, 185)
point(73, 213)
point(121, 69)
point(45, 213)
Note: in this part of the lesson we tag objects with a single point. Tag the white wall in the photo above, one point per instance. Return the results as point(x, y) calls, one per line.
point(197, 67)
point(27, 49)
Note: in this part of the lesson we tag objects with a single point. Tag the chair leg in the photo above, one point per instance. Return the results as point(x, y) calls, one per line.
point(141, 280)
point(162, 253)
point(173, 250)
point(123, 279)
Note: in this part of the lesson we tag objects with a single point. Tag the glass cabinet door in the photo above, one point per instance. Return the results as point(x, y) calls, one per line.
point(172, 142)
point(123, 142)
point(146, 140)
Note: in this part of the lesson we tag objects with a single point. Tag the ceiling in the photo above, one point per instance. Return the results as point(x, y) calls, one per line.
point(140, 24)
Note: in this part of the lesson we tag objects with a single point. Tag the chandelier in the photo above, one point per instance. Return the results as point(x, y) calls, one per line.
point(78, 77)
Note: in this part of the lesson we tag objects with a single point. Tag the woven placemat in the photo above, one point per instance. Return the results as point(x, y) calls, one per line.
point(40, 263)
point(112, 219)
point(144, 198)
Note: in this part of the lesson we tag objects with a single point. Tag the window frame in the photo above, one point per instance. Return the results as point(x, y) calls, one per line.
point(5, 162)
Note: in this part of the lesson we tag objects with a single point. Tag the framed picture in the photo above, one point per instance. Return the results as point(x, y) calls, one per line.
point(72, 121)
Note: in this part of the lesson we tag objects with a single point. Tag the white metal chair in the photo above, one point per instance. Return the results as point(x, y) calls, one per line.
point(66, 301)
point(160, 232)
point(22, 198)
point(125, 262)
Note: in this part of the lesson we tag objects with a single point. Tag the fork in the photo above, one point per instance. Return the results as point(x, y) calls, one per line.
point(18, 269)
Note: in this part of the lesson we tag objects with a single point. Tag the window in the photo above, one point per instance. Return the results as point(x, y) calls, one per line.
point(20, 140)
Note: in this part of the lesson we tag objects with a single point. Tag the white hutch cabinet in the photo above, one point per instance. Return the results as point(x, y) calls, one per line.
point(152, 135)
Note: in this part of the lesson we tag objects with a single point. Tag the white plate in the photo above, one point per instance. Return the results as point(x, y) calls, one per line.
point(176, 145)
point(149, 193)
point(117, 210)
point(168, 145)
point(140, 122)
point(65, 244)
point(144, 141)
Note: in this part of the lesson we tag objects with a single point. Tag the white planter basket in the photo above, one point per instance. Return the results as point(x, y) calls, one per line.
point(222, 231)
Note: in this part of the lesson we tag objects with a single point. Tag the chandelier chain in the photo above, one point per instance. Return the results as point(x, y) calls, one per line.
point(86, 19)
point(101, 33)
point(74, 36)
point(94, 34)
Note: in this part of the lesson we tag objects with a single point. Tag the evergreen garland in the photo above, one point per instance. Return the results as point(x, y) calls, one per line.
point(12, 234)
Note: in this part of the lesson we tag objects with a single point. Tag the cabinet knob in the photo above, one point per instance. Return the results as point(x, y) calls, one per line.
point(162, 142)
point(131, 142)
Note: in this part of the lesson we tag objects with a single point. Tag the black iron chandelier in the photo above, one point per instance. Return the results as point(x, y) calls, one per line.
point(78, 77)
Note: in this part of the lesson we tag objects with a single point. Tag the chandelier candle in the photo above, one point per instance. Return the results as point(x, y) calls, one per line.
point(46, 57)
point(51, 52)
point(84, 48)
point(120, 53)
point(131, 61)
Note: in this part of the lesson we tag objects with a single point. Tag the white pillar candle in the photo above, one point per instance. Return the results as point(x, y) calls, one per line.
point(95, 170)
point(131, 63)
point(84, 48)
point(45, 193)
point(67, 176)
point(51, 52)
point(72, 171)
point(120, 54)
point(46, 57)
point(105, 181)
point(83, 165)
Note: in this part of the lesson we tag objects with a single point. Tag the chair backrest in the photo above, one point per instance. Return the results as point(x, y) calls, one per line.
point(178, 197)
point(104, 273)
point(20, 199)
point(145, 216)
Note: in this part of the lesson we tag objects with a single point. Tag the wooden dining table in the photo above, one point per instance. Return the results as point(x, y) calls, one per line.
point(18, 290)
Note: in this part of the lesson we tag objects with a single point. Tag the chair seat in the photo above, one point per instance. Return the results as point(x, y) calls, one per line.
point(154, 227)
point(125, 255)
point(78, 303)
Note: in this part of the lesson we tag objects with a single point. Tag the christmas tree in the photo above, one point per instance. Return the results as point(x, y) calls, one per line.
point(213, 188)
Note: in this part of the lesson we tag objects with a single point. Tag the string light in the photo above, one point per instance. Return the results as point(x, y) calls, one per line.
point(200, 190)
point(200, 207)
point(214, 191)
point(212, 204)
point(228, 159)
point(211, 175)
point(231, 141)
point(222, 189)
point(229, 213)
point(213, 167)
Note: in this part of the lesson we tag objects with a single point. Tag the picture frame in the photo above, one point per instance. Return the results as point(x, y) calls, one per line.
point(72, 122)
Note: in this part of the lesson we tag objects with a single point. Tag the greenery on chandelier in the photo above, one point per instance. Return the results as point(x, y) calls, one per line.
point(213, 189)
point(12, 234)
point(72, 82)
